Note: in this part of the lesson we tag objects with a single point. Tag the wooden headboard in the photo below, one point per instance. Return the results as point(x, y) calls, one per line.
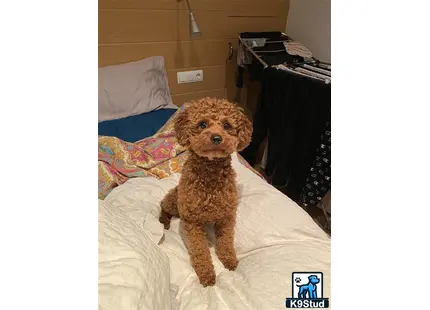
point(130, 30)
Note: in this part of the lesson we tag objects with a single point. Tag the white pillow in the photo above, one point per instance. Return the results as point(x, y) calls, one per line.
point(133, 88)
point(133, 272)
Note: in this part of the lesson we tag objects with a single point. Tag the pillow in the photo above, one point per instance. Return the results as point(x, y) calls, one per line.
point(133, 88)
point(133, 272)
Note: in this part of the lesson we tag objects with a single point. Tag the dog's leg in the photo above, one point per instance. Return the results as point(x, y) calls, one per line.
point(199, 253)
point(224, 246)
point(300, 291)
point(313, 292)
point(165, 219)
point(169, 207)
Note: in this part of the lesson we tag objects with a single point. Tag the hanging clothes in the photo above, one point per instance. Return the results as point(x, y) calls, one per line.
point(318, 180)
point(292, 110)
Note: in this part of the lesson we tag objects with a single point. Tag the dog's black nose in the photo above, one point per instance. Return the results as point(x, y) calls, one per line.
point(216, 139)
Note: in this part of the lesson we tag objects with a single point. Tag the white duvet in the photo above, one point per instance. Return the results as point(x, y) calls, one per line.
point(141, 266)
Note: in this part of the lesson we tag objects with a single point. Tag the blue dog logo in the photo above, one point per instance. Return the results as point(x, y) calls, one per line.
point(309, 290)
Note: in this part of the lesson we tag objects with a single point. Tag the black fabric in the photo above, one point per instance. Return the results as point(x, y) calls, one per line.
point(291, 111)
point(317, 182)
point(239, 77)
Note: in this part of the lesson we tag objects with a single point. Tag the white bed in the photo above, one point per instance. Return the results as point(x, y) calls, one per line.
point(141, 266)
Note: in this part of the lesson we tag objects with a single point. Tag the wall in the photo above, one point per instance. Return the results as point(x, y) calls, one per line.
point(309, 22)
point(134, 29)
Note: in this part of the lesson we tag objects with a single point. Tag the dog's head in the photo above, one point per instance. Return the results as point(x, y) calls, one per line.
point(313, 279)
point(213, 128)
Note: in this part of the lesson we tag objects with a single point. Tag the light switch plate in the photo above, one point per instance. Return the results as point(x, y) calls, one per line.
point(190, 76)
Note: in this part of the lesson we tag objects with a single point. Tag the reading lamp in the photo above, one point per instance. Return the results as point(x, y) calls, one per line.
point(194, 27)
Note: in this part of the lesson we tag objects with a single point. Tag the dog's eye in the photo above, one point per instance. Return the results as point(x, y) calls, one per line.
point(226, 126)
point(203, 125)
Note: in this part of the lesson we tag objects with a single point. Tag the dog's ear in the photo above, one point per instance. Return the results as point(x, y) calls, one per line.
point(181, 129)
point(244, 131)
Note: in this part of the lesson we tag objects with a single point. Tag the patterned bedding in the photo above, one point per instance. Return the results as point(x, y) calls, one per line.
point(158, 156)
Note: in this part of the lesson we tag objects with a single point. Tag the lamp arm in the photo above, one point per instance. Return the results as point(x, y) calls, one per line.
point(188, 4)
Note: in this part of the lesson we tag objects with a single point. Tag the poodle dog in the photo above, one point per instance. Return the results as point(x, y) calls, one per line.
point(212, 129)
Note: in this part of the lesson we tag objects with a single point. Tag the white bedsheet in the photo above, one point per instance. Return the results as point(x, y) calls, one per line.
point(274, 237)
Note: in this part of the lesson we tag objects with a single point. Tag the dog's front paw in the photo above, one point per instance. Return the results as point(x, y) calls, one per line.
point(230, 263)
point(207, 279)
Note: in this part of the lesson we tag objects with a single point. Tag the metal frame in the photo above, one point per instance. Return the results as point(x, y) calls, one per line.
point(265, 65)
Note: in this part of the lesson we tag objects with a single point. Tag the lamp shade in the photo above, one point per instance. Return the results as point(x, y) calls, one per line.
point(194, 27)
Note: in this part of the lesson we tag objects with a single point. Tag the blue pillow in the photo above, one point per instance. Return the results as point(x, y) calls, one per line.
point(137, 127)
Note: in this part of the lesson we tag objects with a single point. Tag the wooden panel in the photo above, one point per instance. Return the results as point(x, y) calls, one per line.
point(131, 30)
point(180, 99)
point(130, 26)
point(180, 54)
point(274, 6)
point(213, 78)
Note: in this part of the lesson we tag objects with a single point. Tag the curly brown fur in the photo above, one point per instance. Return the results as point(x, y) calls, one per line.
point(207, 190)
point(169, 207)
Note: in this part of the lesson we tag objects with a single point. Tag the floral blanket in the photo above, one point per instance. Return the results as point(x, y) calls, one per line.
point(158, 156)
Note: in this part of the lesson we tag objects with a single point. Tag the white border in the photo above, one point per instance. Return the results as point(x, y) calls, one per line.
point(48, 203)
point(380, 154)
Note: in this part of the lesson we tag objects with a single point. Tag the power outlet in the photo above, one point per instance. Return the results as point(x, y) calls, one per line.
point(190, 76)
